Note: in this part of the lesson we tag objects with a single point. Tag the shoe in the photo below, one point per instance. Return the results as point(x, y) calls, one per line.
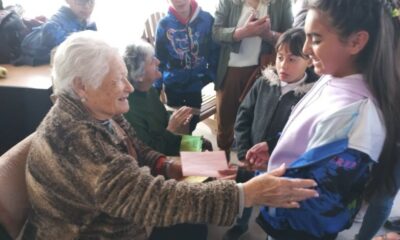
point(393, 225)
point(235, 232)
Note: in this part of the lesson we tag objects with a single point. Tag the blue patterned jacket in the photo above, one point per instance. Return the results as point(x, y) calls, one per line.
point(340, 171)
point(188, 55)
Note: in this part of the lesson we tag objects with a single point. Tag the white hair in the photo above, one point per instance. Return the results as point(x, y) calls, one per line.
point(84, 55)
point(135, 57)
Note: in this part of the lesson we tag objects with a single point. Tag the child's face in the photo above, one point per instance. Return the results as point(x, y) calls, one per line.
point(180, 5)
point(290, 67)
point(329, 53)
point(82, 8)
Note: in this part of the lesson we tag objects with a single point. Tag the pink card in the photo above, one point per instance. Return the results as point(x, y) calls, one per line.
point(203, 163)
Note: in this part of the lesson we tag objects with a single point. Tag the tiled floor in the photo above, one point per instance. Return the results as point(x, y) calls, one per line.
point(207, 128)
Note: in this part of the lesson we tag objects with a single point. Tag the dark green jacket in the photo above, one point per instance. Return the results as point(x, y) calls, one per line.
point(149, 118)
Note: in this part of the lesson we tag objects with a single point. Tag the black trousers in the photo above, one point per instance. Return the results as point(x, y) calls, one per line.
point(180, 232)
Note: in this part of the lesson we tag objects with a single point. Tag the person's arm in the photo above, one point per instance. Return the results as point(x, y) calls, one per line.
point(213, 50)
point(156, 137)
point(221, 31)
point(148, 200)
point(160, 139)
point(52, 34)
point(244, 120)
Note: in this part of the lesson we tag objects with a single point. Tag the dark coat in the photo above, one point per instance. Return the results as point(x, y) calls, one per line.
point(265, 111)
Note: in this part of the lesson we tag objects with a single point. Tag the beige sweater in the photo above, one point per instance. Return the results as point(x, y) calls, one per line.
point(82, 183)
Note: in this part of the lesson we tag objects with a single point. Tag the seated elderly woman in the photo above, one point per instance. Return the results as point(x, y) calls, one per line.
point(148, 116)
point(154, 126)
point(89, 177)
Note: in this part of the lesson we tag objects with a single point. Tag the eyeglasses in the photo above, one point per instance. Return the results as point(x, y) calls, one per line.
point(85, 2)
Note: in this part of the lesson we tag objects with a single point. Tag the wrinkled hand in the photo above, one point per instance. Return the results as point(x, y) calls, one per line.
point(275, 191)
point(258, 156)
point(179, 119)
point(206, 145)
point(175, 169)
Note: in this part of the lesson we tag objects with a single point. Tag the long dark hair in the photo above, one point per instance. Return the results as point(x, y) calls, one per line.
point(379, 63)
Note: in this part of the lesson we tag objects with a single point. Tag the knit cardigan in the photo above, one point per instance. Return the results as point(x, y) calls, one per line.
point(83, 184)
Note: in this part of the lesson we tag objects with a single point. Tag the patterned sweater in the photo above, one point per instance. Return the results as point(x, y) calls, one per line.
point(83, 184)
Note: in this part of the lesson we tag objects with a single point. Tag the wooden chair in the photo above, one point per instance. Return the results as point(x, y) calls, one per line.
point(150, 27)
point(208, 106)
point(14, 204)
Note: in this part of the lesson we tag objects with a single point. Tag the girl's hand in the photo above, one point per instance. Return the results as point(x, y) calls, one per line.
point(258, 156)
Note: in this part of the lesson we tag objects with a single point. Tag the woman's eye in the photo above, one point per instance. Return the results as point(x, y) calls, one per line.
point(315, 41)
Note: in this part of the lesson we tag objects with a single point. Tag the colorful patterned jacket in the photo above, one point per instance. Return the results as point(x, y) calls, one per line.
point(335, 146)
point(188, 55)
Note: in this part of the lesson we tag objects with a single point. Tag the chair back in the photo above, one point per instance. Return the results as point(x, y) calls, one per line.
point(150, 27)
point(14, 204)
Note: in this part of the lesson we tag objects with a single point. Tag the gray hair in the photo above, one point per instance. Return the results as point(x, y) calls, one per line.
point(85, 55)
point(135, 57)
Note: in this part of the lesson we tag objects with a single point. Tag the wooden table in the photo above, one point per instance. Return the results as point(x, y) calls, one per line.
point(24, 101)
point(27, 77)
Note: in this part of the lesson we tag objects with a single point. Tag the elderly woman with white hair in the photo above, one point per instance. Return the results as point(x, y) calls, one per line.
point(148, 116)
point(89, 177)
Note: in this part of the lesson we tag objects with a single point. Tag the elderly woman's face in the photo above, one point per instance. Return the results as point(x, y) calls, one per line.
point(151, 72)
point(111, 97)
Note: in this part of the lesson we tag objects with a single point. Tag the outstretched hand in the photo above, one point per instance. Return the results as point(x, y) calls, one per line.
point(258, 156)
point(273, 190)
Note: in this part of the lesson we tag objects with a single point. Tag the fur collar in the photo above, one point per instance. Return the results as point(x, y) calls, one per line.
point(269, 74)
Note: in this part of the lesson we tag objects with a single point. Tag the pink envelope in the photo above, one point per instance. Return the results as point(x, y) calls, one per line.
point(203, 163)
